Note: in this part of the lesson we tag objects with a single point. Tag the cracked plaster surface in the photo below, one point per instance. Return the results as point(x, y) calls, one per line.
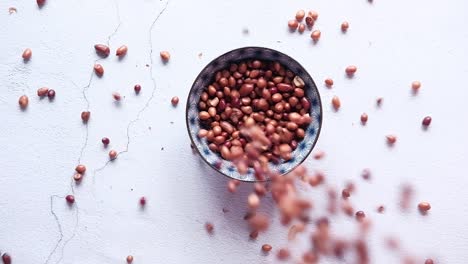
point(41, 146)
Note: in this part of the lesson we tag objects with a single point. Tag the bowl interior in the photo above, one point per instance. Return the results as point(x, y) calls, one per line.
point(206, 77)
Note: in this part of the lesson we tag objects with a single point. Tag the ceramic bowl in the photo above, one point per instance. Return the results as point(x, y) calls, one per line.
point(206, 77)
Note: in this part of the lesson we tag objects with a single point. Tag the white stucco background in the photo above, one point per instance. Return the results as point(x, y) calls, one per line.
point(391, 42)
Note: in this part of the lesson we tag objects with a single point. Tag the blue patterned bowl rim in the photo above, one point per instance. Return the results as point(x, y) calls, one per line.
point(205, 77)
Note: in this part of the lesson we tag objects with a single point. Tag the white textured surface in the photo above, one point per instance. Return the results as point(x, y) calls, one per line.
point(391, 42)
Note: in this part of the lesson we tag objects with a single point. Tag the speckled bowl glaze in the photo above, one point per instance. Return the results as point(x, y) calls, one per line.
point(206, 77)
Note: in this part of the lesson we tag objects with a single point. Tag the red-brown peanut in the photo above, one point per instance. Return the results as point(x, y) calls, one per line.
point(258, 95)
point(27, 53)
point(102, 50)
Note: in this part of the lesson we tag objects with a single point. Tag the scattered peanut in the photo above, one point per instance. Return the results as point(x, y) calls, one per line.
point(380, 209)
point(77, 177)
point(301, 28)
point(319, 155)
point(424, 206)
point(360, 215)
point(379, 101)
point(344, 26)
point(293, 24)
point(143, 201)
point(351, 70)
point(391, 139)
point(253, 201)
point(116, 96)
point(300, 15)
point(80, 169)
point(336, 103)
point(98, 69)
point(283, 254)
point(70, 199)
point(137, 88)
point(165, 55)
point(120, 52)
point(112, 154)
point(266, 248)
point(102, 50)
point(309, 21)
point(364, 118)
point(366, 174)
point(27, 53)
point(253, 235)
point(232, 185)
point(6, 258)
point(209, 228)
point(316, 35)
point(175, 100)
point(51, 94)
point(426, 121)
point(345, 193)
point(416, 85)
point(313, 14)
point(23, 101)
point(105, 141)
point(85, 115)
point(41, 92)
